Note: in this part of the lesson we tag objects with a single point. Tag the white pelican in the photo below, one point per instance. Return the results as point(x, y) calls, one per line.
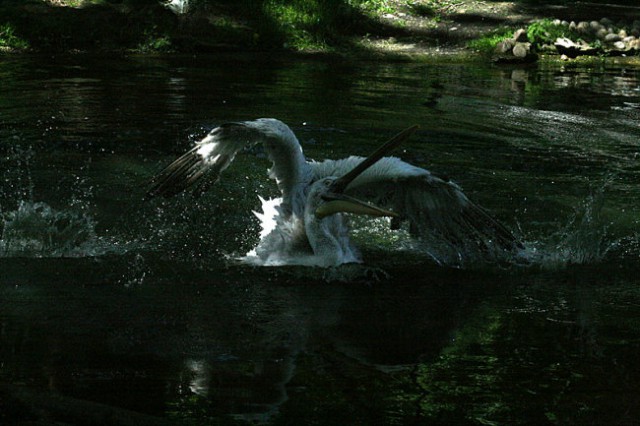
point(308, 218)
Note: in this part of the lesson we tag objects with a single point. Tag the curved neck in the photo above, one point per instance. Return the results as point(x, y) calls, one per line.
point(329, 238)
point(291, 172)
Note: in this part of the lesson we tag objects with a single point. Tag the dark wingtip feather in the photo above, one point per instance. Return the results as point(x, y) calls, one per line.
point(177, 176)
point(492, 228)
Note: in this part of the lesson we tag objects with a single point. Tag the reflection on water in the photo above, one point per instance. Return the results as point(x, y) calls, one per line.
point(141, 306)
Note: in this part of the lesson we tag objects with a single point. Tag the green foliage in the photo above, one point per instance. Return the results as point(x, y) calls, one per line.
point(154, 42)
point(372, 6)
point(429, 9)
point(9, 39)
point(305, 24)
point(300, 23)
point(488, 43)
point(147, 26)
point(546, 31)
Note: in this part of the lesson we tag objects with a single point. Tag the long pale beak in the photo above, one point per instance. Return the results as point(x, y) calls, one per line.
point(340, 203)
point(341, 183)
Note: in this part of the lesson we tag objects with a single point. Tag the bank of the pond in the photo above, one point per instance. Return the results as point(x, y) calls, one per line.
point(387, 28)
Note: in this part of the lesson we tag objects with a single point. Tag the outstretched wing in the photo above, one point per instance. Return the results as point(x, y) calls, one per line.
point(454, 228)
point(201, 166)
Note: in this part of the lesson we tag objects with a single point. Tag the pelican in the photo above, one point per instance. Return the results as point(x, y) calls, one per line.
point(309, 219)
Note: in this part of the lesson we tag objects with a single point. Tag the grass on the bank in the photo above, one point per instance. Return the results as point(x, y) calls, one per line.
point(317, 24)
point(539, 33)
point(545, 31)
point(9, 40)
point(488, 43)
point(144, 25)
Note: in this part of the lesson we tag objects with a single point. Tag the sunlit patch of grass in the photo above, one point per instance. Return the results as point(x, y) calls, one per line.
point(435, 9)
point(375, 7)
point(299, 22)
point(307, 24)
point(74, 3)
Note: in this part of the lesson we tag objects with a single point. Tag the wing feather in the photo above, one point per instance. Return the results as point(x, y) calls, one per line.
point(201, 166)
point(453, 228)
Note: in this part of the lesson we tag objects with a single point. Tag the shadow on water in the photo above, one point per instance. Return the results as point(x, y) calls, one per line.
point(269, 348)
point(140, 309)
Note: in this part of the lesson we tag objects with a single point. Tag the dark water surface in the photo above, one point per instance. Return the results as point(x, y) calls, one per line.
point(143, 306)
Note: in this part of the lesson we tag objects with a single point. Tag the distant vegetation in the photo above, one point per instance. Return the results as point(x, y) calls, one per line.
point(488, 42)
point(146, 25)
point(603, 37)
point(9, 39)
point(215, 25)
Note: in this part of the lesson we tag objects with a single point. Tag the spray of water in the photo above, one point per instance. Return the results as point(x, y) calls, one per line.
point(583, 240)
point(35, 229)
point(30, 228)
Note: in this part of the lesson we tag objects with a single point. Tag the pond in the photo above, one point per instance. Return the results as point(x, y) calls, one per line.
point(141, 310)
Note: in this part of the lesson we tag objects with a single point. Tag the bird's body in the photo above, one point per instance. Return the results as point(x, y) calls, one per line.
point(309, 220)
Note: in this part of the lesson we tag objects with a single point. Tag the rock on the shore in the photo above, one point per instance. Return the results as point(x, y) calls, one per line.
point(571, 49)
point(516, 49)
point(615, 39)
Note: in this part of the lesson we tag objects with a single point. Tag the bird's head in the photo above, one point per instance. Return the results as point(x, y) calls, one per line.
point(327, 196)
point(262, 129)
point(323, 201)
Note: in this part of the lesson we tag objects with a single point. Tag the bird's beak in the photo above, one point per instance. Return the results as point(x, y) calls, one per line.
point(340, 185)
point(340, 203)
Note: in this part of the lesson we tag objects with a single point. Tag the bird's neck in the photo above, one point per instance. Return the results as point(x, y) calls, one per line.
point(292, 174)
point(329, 238)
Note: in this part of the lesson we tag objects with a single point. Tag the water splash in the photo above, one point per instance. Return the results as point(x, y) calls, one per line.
point(136, 272)
point(30, 228)
point(583, 240)
point(272, 251)
point(35, 229)
point(368, 233)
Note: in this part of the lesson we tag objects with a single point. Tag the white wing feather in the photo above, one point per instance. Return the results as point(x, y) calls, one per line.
point(202, 165)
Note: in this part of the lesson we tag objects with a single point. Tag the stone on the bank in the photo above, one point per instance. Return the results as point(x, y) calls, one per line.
point(606, 22)
point(521, 50)
point(611, 38)
point(567, 47)
point(516, 49)
point(583, 27)
point(520, 36)
point(619, 45)
point(602, 33)
point(504, 46)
